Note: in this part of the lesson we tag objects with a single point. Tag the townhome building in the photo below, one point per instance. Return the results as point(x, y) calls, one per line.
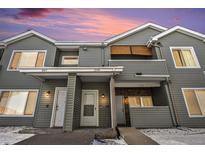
point(147, 77)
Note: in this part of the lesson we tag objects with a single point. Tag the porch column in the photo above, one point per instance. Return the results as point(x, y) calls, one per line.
point(69, 107)
point(112, 103)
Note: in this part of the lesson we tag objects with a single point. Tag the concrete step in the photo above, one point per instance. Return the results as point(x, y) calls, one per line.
point(134, 137)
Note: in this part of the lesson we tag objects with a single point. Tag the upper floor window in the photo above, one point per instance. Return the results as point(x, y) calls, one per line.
point(184, 57)
point(195, 101)
point(69, 60)
point(22, 59)
point(17, 102)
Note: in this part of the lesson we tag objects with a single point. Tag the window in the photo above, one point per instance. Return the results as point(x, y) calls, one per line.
point(17, 102)
point(22, 59)
point(69, 60)
point(140, 50)
point(184, 57)
point(140, 101)
point(195, 101)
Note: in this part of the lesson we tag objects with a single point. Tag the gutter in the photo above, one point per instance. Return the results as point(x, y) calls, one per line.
point(174, 116)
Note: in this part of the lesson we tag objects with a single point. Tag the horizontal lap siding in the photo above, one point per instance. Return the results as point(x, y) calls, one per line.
point(77, 104)
point(144, 67)
point(69, 107)
point(104, 103)
point(150, 117)
point(16, 121)
point(43, 113)
point(184, 78)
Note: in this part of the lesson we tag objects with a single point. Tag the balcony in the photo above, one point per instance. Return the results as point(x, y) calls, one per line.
point(154, 69)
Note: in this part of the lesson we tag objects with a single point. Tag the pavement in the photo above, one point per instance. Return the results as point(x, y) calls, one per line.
point(58, 137)
point(133, 136)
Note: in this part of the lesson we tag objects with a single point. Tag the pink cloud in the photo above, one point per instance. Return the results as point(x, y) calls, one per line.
point(85, 22)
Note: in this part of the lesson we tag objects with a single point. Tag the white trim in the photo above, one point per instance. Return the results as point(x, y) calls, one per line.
point(193, 54)
point(54, 104)
point(26, 90)
point(72, 69)
point(77, 57)
point(185, 100)
point(27, 34)
point(152, 75)
point(122, 35)
point(144, 60)
point(182, 30)
point(97, 113)
point(78, 43)
point(11, 58)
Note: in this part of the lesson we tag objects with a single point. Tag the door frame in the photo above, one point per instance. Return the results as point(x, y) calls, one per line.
point(97, 104)
point(54, 105)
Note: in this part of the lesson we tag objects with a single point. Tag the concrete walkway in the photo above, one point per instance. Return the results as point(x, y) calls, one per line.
point(57, 137)
point(132, 136)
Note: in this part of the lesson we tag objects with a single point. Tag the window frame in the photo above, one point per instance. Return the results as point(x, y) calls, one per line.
point(14, 51)
point(69, 56)
point(22, 90)
point(185, 100)
point(191, 48)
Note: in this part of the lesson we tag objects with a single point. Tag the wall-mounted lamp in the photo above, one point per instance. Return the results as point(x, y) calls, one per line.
point(84, 49)
point(48, 93)
point(103, 96)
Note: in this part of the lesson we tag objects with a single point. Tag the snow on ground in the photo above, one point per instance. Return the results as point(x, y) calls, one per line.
point(109, 142)
point(177, 136)
point(10, 135)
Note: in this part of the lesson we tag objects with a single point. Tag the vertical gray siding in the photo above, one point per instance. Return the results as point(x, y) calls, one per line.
point(69, 108)
point(43, 112)
point(104, 103)
point(77, 104)
point(184, 78)
point(153, 117)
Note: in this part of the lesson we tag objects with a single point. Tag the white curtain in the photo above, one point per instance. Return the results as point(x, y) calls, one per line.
point(200, 94)
point(28, 59)
point(188, 57)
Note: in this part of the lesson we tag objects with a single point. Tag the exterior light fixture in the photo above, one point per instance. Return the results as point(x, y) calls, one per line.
point(103, 96)
point(48, 93)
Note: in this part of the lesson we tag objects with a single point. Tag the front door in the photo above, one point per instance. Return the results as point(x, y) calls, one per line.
point(89, 108)
point(61, 93)
point(120, 110)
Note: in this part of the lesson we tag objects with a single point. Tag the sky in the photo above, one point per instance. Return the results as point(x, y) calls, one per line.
point(93, 24)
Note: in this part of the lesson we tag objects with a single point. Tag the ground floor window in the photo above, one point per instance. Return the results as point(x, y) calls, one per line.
point(17, 102)
point(195, 101)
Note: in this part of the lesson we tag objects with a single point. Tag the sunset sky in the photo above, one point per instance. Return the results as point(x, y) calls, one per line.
point(94, 24)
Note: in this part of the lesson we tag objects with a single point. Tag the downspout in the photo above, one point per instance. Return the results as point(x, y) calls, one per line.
point(171, 100)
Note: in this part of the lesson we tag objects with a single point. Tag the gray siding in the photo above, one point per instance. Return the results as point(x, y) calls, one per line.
point(45, 103)
point(145, 67)
point(104, 103)
point(69, 108)
point(14, 79)
point(16, 121)
point(154, 117)
point(184, 78)
point(77, 104)
point(138, 38)
point(93, 56)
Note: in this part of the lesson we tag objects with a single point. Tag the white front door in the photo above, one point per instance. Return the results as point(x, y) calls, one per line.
point(89, 108)
point(59, 107)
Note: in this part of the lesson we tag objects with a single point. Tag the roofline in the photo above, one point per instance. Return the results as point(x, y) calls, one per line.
point(26, 34)
point(129, 32)
point(77, 43)
point(182, 30)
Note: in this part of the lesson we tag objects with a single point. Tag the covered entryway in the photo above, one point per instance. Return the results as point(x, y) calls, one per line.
point(89, 108)
point(58, 112)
